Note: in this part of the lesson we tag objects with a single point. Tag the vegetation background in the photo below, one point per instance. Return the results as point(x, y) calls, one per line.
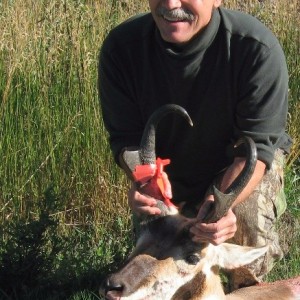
point(64, 221)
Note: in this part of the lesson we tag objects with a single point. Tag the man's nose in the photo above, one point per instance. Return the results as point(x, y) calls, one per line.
point(172, 4)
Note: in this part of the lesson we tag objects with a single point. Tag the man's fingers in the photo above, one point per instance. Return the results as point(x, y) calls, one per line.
point(144, 209)
point(215, 233)
point(167, 185)
point(227, 221)
point(142, 204)
point(215, 239)
point(143, 200)
point(147, 210)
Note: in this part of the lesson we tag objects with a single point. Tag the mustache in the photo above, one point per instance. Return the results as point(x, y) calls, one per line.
point(176, 14)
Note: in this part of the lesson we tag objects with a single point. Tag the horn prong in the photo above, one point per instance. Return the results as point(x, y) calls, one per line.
point(223, 201)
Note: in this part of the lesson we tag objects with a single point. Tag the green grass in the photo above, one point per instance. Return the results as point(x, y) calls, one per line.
point(64, 221)
point(289, 230)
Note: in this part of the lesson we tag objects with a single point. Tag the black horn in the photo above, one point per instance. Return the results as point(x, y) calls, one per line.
point(223, 201)
point(130, 158)
point(147, 146)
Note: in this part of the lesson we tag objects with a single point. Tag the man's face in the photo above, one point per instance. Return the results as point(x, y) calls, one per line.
point(180, 20)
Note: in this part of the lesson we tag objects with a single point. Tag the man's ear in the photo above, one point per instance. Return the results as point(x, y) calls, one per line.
point(230, 256)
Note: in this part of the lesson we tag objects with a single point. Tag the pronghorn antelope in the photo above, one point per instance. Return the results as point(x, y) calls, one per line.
point(166, 264)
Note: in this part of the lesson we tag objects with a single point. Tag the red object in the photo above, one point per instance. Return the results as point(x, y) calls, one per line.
point(145, 173)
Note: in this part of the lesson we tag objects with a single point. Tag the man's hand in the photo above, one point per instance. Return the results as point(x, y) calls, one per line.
point(143, 201)
point(215, 233)
point(225, 228)
point(141, 204)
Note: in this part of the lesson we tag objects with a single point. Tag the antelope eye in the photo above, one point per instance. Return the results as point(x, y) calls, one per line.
point(192, 259)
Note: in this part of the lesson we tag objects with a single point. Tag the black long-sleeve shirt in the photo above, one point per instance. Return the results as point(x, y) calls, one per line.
point(232, 79)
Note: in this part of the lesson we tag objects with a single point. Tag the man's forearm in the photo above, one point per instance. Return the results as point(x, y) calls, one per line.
point(234, 170)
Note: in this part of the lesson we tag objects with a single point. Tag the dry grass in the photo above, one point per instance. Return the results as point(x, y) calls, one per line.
point(51, 130)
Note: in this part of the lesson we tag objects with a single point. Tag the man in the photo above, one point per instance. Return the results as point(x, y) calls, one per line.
point(229, 72)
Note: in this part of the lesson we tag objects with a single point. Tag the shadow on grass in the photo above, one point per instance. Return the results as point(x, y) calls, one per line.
point(38, 263)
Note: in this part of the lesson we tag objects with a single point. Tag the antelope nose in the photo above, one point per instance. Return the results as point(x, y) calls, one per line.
point(110, 290)
point(110, 285)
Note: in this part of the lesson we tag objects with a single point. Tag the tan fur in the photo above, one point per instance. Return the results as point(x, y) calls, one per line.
point(279, 290)
point(191, 290)
point(167, 265)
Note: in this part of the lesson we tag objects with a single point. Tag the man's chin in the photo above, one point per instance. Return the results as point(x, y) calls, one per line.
point(175, 32)
point(175, 39)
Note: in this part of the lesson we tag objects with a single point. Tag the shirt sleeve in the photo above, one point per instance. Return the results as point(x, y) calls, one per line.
point(261, 111)
point(121, 115)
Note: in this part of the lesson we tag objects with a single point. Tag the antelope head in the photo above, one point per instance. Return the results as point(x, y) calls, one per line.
point(166, 263)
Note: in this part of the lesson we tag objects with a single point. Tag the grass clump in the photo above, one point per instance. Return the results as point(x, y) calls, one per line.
point(39, 258)
point(29, 251)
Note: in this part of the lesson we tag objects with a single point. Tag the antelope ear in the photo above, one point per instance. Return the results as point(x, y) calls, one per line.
point(230, 256)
